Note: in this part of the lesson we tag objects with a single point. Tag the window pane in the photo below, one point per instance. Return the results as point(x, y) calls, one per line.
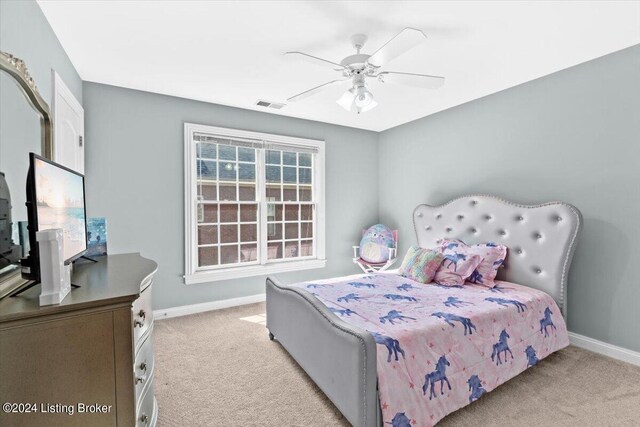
point(274, 193)
point(306, 230)
point(305, 193)
point(229, 213)
point(207, 151)
point(247, 172)
point(306, 212)
point(230, 174)
point(229, 254)
point(207, 191)
point(274, 250)
point(304, 159)
point(305, 175)
point(291, 213)
point(228, 192)
point(291, 249)
point(248, 253)
point(279, 210)
point(274, 231)
point(247, 192)
point(248, 213)
point(289, 193)
point(209, 213)
point(206, 169)
point(306, 248)
point(273, 157)
point(291, 231)
point(274, 212)
point(208, 234)
point(228, 171)
point(289, 174)
point(227, 152)
point(228, 233)
point(207, 256)
point(273, 173)
point(248, 233)
point(246, 154)
point(289, 158)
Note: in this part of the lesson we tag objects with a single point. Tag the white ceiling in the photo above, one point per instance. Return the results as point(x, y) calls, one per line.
point(231, 52)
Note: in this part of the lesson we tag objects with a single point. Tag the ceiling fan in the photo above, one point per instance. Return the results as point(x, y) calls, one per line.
point(358, 67)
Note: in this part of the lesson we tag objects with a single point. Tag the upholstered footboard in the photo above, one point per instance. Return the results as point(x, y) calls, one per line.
point(339, 358)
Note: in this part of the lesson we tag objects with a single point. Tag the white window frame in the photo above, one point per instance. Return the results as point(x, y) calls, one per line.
point(195, 275)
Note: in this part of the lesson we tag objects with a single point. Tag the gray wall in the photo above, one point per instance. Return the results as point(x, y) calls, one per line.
point(572, 136)
point(134, 164)
point(25, 33)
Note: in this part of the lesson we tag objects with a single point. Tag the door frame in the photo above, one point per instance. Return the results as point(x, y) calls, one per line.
point(59, 88)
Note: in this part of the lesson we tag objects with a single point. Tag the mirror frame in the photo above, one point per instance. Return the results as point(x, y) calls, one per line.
point(17, 69)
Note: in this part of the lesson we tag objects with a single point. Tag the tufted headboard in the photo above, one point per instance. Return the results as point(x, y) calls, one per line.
point(541, 239)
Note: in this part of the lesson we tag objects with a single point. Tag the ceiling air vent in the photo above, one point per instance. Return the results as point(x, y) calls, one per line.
point(267, 104)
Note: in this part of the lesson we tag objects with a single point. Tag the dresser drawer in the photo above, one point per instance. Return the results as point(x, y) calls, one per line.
point(142, 316)
point(147, 410)
point(143, 365)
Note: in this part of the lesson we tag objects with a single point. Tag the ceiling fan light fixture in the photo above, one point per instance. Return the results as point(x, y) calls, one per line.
point(357, 99)
point(363, 98)
point(371, 105)
point(347, 99)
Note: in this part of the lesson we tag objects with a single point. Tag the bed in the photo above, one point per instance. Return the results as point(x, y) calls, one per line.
point(343, 358)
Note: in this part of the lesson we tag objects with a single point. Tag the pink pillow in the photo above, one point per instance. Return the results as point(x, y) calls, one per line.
point(492, 255)
point(457, 265)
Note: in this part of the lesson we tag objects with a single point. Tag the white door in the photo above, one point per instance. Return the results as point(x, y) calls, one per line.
point(68, 127)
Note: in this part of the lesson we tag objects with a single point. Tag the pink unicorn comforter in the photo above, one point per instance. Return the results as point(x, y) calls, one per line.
point(441, 348)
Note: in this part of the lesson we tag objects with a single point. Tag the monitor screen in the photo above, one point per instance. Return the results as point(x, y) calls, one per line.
point(60, 204)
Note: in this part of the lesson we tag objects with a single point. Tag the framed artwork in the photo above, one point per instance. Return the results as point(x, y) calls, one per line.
point(96, 237)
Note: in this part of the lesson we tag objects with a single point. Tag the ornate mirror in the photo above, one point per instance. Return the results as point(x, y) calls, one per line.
point(22, 130)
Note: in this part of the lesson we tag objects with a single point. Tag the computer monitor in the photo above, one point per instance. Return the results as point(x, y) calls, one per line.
point(55, 199)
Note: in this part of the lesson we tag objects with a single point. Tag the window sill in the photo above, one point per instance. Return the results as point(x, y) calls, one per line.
point(254, 270)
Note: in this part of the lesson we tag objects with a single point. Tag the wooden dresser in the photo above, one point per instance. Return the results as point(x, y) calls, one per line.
point(87, 361)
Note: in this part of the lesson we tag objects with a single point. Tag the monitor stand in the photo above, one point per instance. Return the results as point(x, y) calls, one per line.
point(88, 259)
point(29, 286)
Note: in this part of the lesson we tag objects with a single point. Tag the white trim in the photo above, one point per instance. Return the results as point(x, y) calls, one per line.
point(604, 348)
point(206, 276)
point(195, 275)
point(185, 310)
point(237, 133)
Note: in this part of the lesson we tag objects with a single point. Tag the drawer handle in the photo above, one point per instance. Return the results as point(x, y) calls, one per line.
point(145, 419)
point(140, 323)
point(141, 379)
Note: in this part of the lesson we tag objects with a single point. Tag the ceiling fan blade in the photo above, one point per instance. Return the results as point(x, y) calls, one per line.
point(410, 79)
point(313, 59)
point(403, 41)
point(314, 90)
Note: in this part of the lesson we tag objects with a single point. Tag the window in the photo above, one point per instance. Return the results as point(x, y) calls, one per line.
point(254, 203)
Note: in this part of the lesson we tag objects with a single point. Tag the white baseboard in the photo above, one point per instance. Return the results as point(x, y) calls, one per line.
point(604, 348)
point(185, 310)
point(578, 340)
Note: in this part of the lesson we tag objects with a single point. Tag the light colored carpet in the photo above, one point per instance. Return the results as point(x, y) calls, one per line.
point(213, 369)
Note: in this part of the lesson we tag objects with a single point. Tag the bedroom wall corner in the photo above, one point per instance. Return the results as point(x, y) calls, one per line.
point(570, 136)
